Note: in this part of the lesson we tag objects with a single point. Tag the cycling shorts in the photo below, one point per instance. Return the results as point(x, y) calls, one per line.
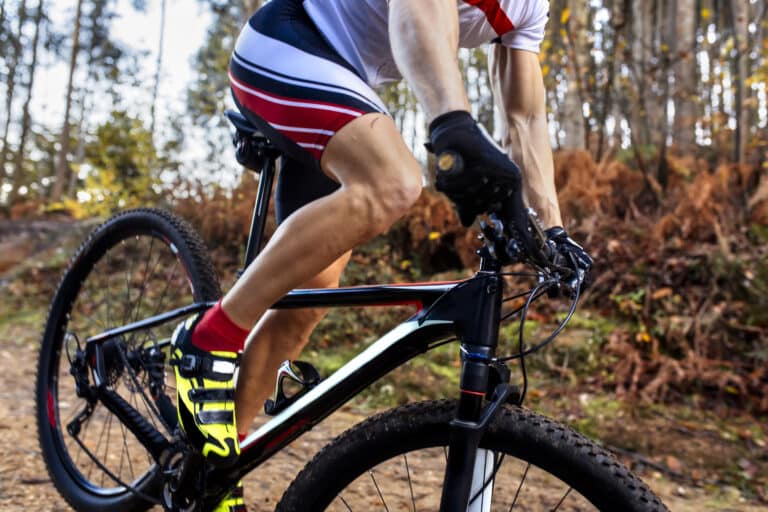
point(285, 72)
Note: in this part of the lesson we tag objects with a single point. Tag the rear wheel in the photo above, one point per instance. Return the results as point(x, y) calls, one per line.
point(396, 461)
point(135, 265)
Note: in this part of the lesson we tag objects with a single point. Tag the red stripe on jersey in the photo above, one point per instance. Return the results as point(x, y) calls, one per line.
point(494, 14)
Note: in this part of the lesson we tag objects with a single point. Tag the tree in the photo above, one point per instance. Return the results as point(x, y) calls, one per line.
point(574, 22)
point(62, 167)
point(740, 21)
point(207, 96)
point(121, 158)
point(158, 66)
point(685, 73)
point(26, 120)
point(11, 83)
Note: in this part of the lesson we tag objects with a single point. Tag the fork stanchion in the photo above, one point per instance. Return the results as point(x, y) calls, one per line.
point(478, 344)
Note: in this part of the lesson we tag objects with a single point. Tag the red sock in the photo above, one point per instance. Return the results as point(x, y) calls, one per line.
point(216, 331)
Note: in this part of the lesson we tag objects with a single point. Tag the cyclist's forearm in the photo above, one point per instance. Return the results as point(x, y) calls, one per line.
point(425, 37)
point(518, 88)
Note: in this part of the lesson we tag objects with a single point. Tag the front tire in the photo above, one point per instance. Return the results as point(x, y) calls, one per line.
point(408, 446)
point(137, 264)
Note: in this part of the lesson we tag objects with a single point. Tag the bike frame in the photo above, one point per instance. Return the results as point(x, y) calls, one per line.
point(469, 310)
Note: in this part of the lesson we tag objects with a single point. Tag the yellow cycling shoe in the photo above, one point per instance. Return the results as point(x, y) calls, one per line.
point(232, 502)
point(205, 388)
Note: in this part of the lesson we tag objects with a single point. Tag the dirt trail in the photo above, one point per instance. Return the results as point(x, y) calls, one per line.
point(24, 483)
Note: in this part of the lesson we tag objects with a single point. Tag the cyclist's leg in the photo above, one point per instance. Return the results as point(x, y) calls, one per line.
point(380, 179)
point(279, 335)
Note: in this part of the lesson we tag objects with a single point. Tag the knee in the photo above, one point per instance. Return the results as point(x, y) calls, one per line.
point(382, 203)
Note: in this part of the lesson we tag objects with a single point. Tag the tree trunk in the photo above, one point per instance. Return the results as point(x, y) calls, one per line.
point(26, 121)
point(575, 26)
point(740, 13)
point(2, 13)
point(646, 111)
point(158, 68)
point(11, 85)
point(619, 15)
point(685, 92)
point(62, 166)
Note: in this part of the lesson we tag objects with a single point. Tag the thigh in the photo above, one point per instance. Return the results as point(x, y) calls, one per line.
point(370, 151)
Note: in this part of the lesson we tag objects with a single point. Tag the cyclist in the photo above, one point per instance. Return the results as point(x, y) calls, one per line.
point(303, 72)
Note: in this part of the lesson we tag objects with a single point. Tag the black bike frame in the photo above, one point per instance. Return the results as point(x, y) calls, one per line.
point(468, 310)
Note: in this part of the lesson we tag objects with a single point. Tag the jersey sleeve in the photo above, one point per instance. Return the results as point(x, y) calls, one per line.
point(529, 32)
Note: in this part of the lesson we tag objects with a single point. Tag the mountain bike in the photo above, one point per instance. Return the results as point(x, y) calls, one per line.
point(105, 397)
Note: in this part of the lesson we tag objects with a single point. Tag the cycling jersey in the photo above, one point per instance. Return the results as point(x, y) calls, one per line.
point(358, 29)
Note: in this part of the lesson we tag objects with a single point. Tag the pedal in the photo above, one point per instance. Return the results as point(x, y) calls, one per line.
point(296, 374)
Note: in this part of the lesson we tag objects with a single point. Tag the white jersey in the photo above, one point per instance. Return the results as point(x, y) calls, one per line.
point(358, 29)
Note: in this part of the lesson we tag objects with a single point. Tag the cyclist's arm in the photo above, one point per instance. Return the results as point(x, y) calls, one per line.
point(425, 38)
point(518, 89)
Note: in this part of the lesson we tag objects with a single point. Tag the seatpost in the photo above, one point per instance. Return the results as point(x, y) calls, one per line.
point(260, 210)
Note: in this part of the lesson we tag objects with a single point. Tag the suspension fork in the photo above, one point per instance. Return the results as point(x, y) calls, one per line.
point(478, 347)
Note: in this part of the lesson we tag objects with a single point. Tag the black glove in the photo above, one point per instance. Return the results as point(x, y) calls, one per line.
point(472, 170)
point(567, 253)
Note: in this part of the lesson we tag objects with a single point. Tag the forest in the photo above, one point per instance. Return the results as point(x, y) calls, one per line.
point(658, 116)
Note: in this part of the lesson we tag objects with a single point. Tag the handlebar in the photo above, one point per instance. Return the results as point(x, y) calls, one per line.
point(515, 231)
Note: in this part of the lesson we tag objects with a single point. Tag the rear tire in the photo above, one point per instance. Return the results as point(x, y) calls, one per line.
point(377, 447)
point(136, 264)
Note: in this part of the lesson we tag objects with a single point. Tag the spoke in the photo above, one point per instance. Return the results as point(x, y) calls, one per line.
point(562, 499)
point(136, 406)
point(107, 292)
point(142, 289)
point(84, 429)
point(378, 490)
point(127, 311)
point(410, 483)
point(165, 290)
point(345, 503)
point(98, 444)
point(92, 319)
point(127, 451)
point(522, 480)
point(106, 447)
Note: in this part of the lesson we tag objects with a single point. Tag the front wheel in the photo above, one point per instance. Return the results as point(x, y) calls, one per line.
point(396, 461)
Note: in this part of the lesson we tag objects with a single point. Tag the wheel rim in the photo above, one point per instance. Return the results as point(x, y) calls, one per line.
point(130, 278)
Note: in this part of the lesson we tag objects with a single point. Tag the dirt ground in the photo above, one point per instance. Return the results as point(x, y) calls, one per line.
point(24, 483)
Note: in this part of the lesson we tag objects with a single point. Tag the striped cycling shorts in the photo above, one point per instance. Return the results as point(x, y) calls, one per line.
point(285, 72)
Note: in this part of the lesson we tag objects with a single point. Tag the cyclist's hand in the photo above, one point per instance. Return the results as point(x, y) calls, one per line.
point(569, 254)
point(472, 170)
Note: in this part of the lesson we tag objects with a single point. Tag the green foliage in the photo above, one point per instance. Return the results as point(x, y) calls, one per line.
point(119, 164)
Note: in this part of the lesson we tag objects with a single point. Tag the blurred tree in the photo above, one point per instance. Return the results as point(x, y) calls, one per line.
point(573, 19)
point(158, 67)
point(26, 121)
point(740, 21)
point(62, 166)
point(685, 74)
point(121, 160)
point(10, 87)
point(207, 95)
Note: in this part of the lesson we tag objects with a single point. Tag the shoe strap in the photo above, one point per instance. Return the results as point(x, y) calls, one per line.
point(201, 395)
point(215, 417)
point(206, 366)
